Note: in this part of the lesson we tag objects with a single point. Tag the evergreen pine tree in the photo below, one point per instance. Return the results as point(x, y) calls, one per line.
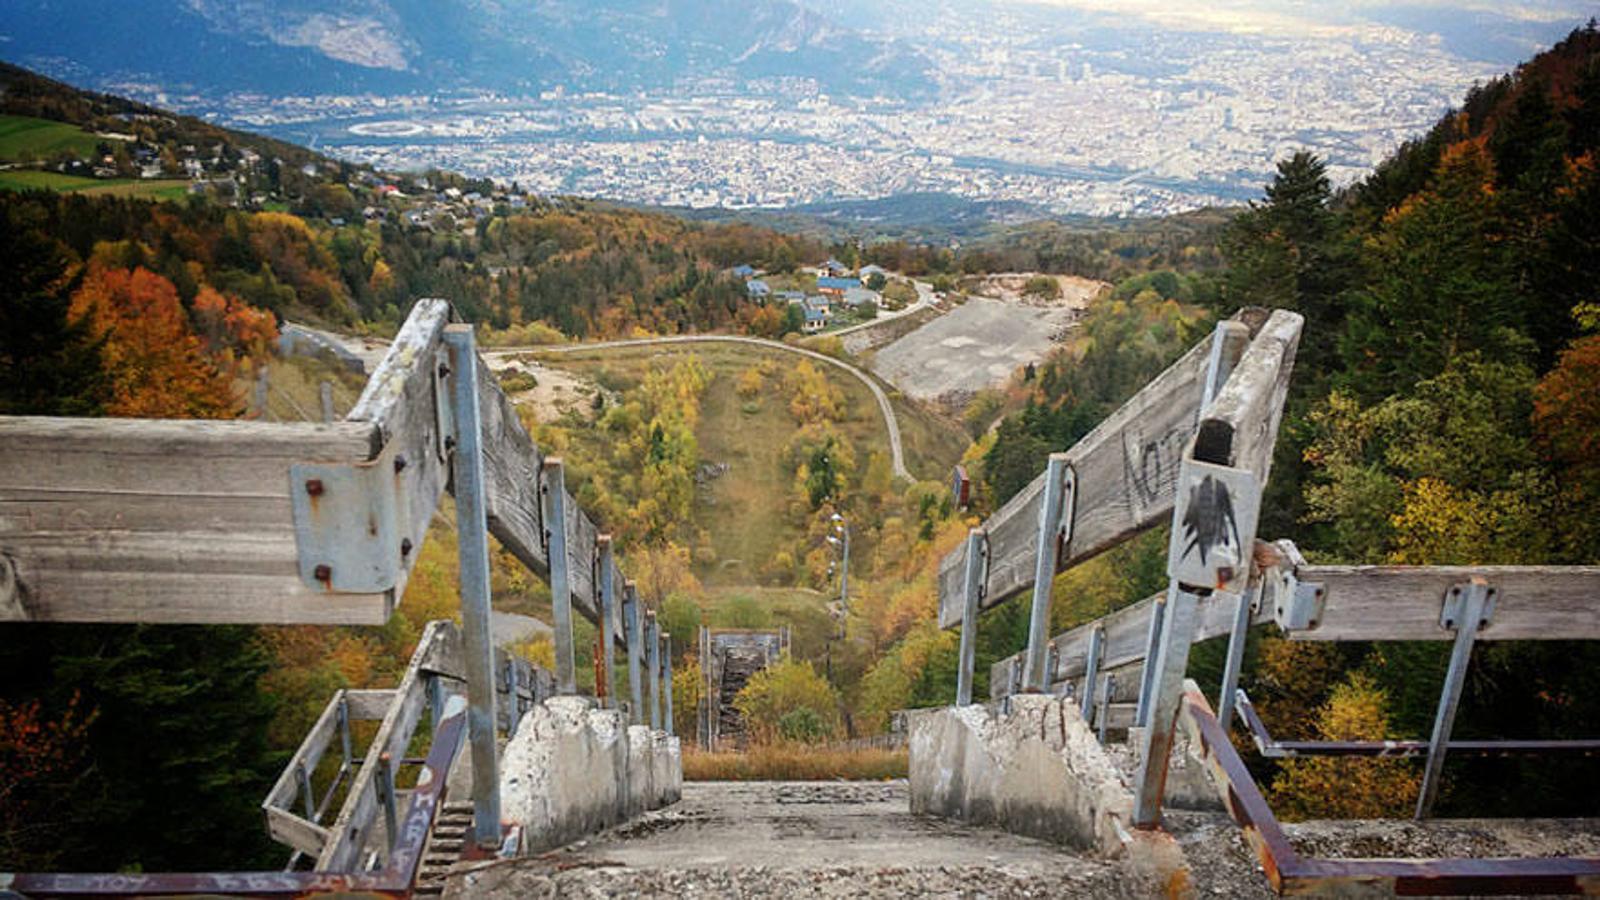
point(49, 365)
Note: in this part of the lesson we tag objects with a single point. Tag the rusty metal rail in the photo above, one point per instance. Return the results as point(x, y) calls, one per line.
point(1291, 873)
point(395, 879)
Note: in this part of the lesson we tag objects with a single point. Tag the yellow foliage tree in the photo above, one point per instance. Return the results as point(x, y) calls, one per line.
point(662, 570)
point(1348, 788)
point(750, 383)
point(813, 398)
point(686, 695)
point(777, 694)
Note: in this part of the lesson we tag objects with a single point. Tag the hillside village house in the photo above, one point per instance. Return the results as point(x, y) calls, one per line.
point(815, 319)
point(857, 297)
point(835, 287)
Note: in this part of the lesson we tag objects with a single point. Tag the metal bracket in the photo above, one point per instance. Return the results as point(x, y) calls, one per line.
point(1296, 605)
point(1455, 599)
point(444, 404)
point(350, 524)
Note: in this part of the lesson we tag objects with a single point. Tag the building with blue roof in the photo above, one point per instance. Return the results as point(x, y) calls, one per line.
point(815, 320)
point(837, 286)
point(757, 289)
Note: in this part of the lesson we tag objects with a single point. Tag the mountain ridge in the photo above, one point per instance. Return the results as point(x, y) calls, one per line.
point(399, 46)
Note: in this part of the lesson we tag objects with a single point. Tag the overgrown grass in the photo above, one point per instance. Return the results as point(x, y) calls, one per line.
point(32, 179)
point(744, 511)
point(795, 762)
point(42, 137)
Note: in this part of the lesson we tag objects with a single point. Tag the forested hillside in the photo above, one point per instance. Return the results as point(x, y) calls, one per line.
point(1445, 409)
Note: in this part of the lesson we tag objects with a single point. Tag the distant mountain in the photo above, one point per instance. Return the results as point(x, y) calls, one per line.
point(392, 46)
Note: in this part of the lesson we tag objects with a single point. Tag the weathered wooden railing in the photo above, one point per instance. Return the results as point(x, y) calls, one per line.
point(295, 811)
point(1196, 444)
point(106, 520)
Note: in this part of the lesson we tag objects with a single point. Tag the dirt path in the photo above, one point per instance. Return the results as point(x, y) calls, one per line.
point(792, 839)
point(891, 424)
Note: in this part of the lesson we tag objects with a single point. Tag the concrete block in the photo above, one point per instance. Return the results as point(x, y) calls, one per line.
point(1036, 770)
point(641, 770)
point(573, 770)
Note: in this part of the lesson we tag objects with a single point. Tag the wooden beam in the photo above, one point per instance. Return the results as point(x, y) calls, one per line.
point(293, 831)
point(158, 521)
point(1125, 640)
point(285, 792)
point(355, 824)
point(1126, 471)
point(1240, 427)
point(512, 463)
point(166, 521)
point(1403, 603)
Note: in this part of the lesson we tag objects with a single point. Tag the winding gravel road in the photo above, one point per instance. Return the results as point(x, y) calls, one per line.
point(897, 461)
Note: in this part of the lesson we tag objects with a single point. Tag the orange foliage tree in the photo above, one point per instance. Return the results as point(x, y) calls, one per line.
point(157, 366)
point(231, 328)
point(40, 760)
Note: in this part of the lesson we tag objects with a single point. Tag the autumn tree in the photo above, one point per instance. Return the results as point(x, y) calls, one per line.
point(1439, 283)
point(43, 758)
point(156, 364)
point(781, 689)
point(1334, 787)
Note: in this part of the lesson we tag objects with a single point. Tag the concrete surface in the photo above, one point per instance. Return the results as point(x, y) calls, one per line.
point(974, 346)
point(1038, 770)
point(793, 839)
point(573, 770)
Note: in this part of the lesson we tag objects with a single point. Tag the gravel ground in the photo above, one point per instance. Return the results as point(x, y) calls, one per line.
point(856, 839)
point(782, 839)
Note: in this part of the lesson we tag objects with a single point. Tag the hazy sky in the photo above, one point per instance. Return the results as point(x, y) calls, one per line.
point(1311, 18)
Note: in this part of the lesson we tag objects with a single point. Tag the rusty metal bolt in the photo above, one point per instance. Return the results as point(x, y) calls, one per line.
point(449, 443)
point(399, 464)
point(314, 487)
point(405, 547)
point(323, 573)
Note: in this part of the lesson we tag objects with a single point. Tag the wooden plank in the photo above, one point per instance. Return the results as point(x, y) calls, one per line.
point(368, 705)
point(163, 521)
point(285, 793)
point(292, 830)
point(1240, 427)
point(357, 820)
point(105, 520)
point(1126, 633)
point(1126, 470)
point(406, 400)
point(1403, 603)
point(511, 478)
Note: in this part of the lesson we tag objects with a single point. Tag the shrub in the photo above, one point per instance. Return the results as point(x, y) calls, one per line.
point(802, 726)
point(781, 690)
point(517, 382)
